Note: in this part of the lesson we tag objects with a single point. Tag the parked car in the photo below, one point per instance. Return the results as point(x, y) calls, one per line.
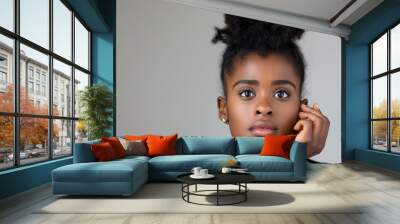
point(22, 155)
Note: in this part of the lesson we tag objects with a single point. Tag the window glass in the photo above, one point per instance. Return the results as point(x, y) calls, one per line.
point(62, 29)
point(395, 94)
point(379, 97)
point(62, 137)
point(6, 142)
point(34, 21)
point(379, 135)
point(379, 56)
point(395, 47)
point(33, 140)
point(7, 14)
point(81, 82)
point(6, 74)
point(395, 136)
point(62, 91)
point(39, 62)
point(81, 45)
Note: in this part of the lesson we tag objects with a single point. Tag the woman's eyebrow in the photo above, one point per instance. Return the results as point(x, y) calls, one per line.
point(282, 82)
point(246, 81)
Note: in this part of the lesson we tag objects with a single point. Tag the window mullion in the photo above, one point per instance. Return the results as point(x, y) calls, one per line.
point(371, 137)
point(50, 81)
point(389, 77)
point(73, 82)
point(16, 84)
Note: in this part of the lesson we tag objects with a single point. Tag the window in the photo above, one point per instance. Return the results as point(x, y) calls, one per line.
point(43, 90)
point(81, 45)
point(30, 87)
point(37, 89)
point(7, 14)
point(38, 74)
point(43, 77)
point(6, 86)
point(54, 126)
point(62, 29)
point(35, 21)
point(3, 78)
point(30, 72)
point(3, 61)
point(3, 72)
point(62, 74)
point(385, 91)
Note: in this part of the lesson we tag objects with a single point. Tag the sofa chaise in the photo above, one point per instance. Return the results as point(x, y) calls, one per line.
point(126, 175)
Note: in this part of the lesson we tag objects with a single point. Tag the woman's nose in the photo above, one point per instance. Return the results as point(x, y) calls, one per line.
point(263, 107)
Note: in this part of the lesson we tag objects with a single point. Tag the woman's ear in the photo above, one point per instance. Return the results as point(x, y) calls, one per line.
point(222, 109)
point(304, 101)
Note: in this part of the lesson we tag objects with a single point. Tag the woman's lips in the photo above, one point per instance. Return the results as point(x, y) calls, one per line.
point(259, 131)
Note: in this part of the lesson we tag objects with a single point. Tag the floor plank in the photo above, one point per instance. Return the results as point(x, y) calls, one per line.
point(377, 189)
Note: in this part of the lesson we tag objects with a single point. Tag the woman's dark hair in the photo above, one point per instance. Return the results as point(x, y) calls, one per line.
point(244, 36)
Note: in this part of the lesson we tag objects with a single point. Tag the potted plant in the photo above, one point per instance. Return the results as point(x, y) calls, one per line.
point(96, 102)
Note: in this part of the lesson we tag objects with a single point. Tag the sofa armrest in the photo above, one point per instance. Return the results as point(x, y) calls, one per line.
point(83, 152)
point(298, 155)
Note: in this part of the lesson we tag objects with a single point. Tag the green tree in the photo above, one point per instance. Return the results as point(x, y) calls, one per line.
point(96, 102)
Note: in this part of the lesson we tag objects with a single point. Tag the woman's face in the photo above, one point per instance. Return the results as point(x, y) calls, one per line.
point(263, 96)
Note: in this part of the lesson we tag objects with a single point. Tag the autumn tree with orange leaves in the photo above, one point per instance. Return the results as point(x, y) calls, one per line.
point(380, 111)
point(33, 130)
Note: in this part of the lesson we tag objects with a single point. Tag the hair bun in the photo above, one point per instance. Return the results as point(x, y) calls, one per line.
point(249, 33)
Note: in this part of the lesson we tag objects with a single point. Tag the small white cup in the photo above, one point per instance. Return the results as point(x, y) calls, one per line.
point(203, 172)
point(226, 170)
point(196, 170)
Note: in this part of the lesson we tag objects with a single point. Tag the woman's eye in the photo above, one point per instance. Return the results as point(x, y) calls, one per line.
point(247, 93)
point(281, 94)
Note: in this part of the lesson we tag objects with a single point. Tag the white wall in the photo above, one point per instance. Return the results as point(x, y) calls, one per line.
point(168, 72)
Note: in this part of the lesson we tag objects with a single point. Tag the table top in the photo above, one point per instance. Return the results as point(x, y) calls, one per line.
point(220, 178)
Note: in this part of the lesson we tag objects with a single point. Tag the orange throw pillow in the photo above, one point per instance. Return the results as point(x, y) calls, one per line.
point(103, 151)
point(277, 145)
point(161, 145)
point(116, 145)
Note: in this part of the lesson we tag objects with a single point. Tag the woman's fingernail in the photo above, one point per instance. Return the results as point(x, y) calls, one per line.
point(316, 106)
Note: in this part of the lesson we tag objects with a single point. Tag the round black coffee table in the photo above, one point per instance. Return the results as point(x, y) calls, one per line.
point(238, 179)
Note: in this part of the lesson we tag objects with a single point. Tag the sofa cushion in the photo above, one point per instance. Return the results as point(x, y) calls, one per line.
point(83, 152)
point(103, 151)
point(277, 145)
point(257, 163)
point(197, 145)
point(116, 145)
point(131, 158)
point(134, 147)
point(185, 163)
point(249, 145)
point(111, 171)
point(159, 145)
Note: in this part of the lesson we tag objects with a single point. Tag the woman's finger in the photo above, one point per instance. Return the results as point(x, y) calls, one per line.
point(305, 131)
point(306, 108)
point(310, 109)
point(318, 128)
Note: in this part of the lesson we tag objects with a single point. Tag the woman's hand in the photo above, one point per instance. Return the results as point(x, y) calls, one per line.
point(313, 129)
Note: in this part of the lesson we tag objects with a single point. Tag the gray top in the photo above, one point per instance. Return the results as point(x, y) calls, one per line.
point(220, 178)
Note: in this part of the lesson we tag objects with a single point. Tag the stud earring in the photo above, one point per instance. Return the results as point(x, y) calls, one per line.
point(224, 120)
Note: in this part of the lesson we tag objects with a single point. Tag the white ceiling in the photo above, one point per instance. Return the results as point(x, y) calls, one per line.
point(325, 16)
point(319, 9)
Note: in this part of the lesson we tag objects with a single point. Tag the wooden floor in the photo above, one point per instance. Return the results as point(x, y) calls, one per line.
point(379, 188)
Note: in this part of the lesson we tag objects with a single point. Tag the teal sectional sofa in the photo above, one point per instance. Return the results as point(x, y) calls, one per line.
point(125, 176)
